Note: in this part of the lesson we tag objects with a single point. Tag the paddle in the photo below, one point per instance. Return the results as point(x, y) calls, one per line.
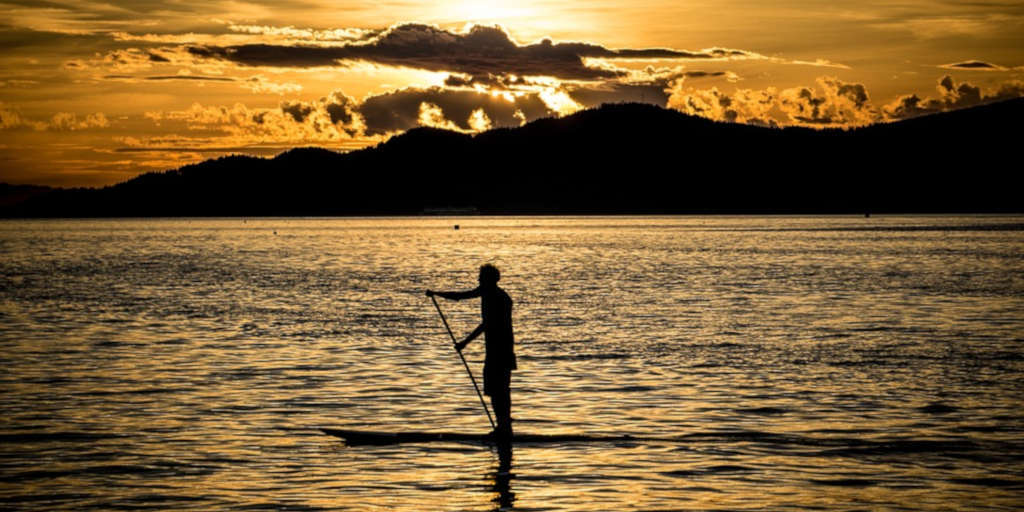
point(464, 363)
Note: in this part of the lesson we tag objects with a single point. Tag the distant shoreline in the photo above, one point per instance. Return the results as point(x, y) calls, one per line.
point(619, 159)
point(866, 227)
point(480, 214)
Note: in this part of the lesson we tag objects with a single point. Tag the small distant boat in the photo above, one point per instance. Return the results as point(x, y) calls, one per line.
point(364, 437)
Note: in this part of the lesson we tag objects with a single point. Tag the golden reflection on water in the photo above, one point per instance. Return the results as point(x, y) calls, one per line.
point(781, 363)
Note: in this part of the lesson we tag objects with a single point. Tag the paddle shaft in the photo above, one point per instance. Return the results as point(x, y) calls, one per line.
point(455, 343)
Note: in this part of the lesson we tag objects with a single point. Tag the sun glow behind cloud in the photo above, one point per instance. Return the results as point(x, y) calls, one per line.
point(489, 11)
point(526, 21)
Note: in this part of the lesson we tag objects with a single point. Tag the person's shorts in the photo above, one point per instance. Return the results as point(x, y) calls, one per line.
point(497, 380)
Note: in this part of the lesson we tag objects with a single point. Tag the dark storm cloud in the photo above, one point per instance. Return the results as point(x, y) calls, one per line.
point(477, 52)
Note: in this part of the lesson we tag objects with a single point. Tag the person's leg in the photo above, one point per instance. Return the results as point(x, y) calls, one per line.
point(501, 402)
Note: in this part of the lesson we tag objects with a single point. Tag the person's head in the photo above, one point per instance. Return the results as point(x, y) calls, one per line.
point(489, 275)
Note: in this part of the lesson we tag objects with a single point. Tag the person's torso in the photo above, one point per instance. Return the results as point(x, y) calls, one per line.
point(496, 310)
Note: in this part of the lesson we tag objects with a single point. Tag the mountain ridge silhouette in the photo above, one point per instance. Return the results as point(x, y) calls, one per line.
point(625, 158)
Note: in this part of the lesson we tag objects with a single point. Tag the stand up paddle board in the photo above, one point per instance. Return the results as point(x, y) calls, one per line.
point(364, 437)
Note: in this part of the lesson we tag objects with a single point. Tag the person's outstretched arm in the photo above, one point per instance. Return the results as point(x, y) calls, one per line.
point(469, 294)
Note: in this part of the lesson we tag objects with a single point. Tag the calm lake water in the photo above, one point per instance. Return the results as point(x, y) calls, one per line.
point(785, 363)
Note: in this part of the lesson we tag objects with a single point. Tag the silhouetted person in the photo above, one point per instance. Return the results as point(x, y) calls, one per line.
point(500, 360)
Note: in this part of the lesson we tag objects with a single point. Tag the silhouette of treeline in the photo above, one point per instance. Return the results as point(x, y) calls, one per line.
point(621, 158)
point(12, 195)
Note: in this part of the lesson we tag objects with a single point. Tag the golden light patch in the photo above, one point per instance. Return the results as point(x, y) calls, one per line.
point(489, 11)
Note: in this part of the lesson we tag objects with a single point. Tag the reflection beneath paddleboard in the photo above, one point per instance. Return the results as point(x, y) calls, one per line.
point(503, 478)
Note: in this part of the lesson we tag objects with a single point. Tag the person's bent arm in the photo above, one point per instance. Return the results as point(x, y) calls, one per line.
point(470, 294)
point(472, 336)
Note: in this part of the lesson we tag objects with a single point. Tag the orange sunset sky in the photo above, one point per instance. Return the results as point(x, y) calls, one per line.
point(95, 92)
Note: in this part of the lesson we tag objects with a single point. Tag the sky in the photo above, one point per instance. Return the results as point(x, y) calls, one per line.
point(96, 92)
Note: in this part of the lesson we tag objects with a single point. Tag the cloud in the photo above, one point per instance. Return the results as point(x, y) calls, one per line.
point(648, 85)
point(837, 103)
point(14, 38)
point(163, 78)
point(297, 110)
point(431, 115)
point(559, 101)
point(331, 121)
point(18, 82)
point(198, 78)
point(303, 34)
point(981, 21)
point(832, 103)
point(68, 121)
point(240, 34)
point(162, 61)
point(466, 103)
point(211, 117)
point(337, 117)
point(821, 63)
point(130, 59)
point(952, 96)
point(490, 81)
point(190, 38)
point(976, 65)
point(259, 84)
point(618, 92)
point(11, 118)
point(479, 51)
point(478, 121)
point(744, 106)
point(399, 110)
